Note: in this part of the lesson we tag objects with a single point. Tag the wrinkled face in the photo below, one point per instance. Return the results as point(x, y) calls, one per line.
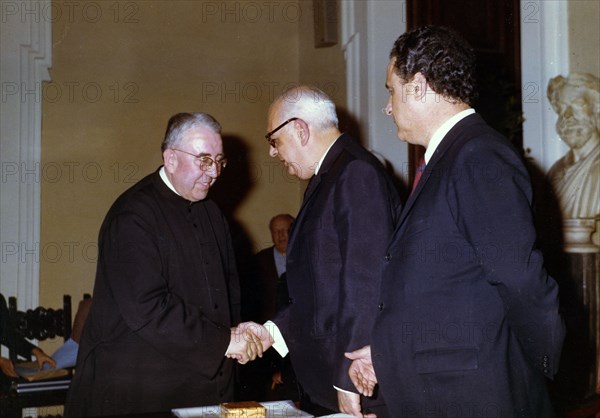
point(399, 105)
point(574, 109)
point(191, 180)
point(280, 228)
point(287, 146)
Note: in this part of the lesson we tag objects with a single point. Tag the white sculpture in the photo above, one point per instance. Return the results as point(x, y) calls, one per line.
point(576, 176)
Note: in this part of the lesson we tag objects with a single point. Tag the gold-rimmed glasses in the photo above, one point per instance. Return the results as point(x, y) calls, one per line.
point(205, 161)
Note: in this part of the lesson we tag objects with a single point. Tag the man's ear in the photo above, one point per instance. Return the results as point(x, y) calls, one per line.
point(170, 160)
point(302, 130)
point(421, 86)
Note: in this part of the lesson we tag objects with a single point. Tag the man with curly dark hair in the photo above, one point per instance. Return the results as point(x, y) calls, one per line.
point(468, 321)
point(447, 62)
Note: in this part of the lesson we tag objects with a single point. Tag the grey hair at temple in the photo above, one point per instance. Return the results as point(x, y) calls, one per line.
point(182, 122)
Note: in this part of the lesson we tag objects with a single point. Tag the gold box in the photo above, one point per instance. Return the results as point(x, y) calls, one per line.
point(248, 409)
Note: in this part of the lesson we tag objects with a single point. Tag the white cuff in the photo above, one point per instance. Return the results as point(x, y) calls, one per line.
point(343, 390)
point(279, 343)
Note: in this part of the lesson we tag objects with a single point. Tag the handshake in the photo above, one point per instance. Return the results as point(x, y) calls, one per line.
point(248, 341)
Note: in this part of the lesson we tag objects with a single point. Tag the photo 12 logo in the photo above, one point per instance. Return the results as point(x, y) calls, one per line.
point(51, 252)
point(68, 172)
point(254, 91)
point(251, 11)
point(71, 92)
point(69, 11)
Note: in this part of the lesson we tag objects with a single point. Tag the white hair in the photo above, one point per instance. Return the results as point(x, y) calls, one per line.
point(308, 103)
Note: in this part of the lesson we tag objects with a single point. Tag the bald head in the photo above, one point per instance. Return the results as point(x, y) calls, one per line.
point(280, 227)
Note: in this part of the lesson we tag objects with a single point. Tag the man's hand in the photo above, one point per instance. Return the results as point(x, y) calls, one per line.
point(349, 403)
point(243, 346)
point(42, 358)
point(7, 367)
point(248, 341)
point(276, 379)
point(361, 371)
point(260, 332)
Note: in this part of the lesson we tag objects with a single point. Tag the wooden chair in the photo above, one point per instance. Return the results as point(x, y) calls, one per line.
point(39, 324)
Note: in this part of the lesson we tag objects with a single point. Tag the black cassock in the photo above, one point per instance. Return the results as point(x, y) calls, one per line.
point(165, 297)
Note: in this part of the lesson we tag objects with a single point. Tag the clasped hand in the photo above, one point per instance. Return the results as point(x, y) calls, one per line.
point(248, 341)
point(361, 371)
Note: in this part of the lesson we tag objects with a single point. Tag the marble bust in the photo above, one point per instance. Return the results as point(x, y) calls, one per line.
point(575, 177)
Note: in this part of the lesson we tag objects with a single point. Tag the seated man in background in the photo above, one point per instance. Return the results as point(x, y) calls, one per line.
point(22, 347)
point(271, 269)
point(66, 355)
point(272, 377)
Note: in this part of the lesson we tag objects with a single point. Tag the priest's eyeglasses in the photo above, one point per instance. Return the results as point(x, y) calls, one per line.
point(204, 161)
point(273, 141)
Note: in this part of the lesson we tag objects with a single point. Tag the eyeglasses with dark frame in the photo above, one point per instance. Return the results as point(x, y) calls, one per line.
point(270, 134)
point(205, 161)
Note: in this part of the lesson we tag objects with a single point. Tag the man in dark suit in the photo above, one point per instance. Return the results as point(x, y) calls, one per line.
point(271, 377)
point(340, 234)
point(271, 267)
point(468, 320)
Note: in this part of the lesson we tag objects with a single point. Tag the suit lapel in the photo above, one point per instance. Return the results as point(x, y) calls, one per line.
point(446, 143)
point(313, 186)
point(308, 193)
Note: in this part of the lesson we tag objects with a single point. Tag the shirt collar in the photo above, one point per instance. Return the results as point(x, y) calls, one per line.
point(441, 132)
point(163, 176)
point(323, 158)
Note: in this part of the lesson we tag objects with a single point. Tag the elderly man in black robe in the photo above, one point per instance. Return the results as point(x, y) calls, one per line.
point(166, 294)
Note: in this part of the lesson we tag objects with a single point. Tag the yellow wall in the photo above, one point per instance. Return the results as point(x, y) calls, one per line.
point(584, 36)
point(120, 69)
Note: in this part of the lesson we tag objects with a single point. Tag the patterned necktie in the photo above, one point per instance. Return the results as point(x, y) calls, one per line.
point(418, 174)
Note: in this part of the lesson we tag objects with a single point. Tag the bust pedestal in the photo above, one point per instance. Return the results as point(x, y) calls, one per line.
point(578, 236)
point(579, 376)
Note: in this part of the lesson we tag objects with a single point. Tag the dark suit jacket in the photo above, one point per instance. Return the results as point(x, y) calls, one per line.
point(468, 322)
point(263, 291)
point(265, 283)
point(264, 295)
point(334, 266)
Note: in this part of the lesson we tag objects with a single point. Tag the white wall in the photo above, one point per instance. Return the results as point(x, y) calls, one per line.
point(544, 54)
point(369, 29)
point(25, 47)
